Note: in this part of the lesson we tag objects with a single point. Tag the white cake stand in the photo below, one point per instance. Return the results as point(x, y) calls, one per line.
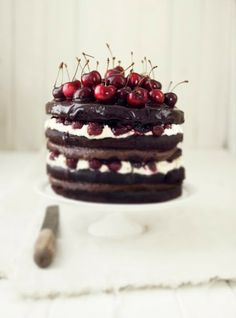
point(116, 224)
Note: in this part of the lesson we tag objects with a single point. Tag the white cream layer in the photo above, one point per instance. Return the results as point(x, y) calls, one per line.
point(126, 167)
point(106, 133)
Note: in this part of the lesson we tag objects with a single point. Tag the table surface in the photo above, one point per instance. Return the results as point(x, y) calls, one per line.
point(216, 299)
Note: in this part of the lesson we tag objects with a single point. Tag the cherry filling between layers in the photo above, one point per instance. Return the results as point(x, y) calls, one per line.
point(144, 168)
point(99, 131)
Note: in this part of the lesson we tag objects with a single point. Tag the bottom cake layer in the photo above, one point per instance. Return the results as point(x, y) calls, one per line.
point(142, 194)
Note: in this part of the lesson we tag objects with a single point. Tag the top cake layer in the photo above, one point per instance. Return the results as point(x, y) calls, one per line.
point(98, 112)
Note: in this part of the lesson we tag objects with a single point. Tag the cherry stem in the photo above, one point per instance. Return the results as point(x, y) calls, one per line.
point(113, 61)
point(132, 64)
point(186, 81)
point(108, 62)
point(60, 68)
point(110, 51)
point(132, 56)
point(169, 86)
point(77, 67)
point(145, 64)
point(97, 63)
point(67, 72)
point(142, 66)
point(119, 62)
point(82, 71)
point(151, 71)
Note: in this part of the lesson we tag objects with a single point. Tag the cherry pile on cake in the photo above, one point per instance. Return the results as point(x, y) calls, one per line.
point(114, 138)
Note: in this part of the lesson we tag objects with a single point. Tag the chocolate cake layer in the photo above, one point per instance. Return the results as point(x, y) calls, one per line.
point(96, 112)
point(127, 196)
point(161, 143)
point(128, 155)
point(90, 176)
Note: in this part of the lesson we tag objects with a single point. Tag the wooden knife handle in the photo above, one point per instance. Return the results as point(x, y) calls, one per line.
point(45, 248)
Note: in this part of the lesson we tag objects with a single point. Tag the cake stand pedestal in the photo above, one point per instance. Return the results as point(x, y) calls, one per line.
point(116, 223)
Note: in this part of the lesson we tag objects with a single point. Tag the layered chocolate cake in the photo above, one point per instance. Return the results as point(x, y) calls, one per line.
point(114, 139)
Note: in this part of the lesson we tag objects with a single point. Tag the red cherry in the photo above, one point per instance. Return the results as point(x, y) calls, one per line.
point(117, 80)
point(114, 165)
point(104, 93)
point(83, 94)
point(119, 69)
point(157, 96)
point(77, 125)
point(122, 95)
point(94, 129)
point(152, 166)
point(57, 93)
point(157, 130)
point(150, 84)
point(95, 164)
point(91, 79)
point(71, 163)
point(138, 97)
point(111, 72)
point(134, 79)
point(170, 99)
point(117, 131)
point(53, 155)
point(69, 89)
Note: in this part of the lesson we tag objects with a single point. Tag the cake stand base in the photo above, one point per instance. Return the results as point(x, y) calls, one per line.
point(116, 223)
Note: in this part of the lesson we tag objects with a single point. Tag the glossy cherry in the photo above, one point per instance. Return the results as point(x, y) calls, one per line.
point(70, 88)
point(104, 93)
point(119, 68)
point(138, 97)
point(91, 79)
point(114, 166)
point(150, 84)
point(57, 93)
point(133, 79)
point(94, 129)
point(117, 80)
point(170, 99)
point(122, 95)
point(83, 94)
point(157, 96)
point(95, 164)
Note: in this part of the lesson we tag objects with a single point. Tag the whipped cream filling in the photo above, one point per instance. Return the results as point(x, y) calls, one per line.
point(106, 133)
point(126, 167)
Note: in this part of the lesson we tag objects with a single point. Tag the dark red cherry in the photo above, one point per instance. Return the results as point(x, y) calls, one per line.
point(152, 166)
point(104, 93)
point(71, 163)
point(134, 79)
point(95, 164)
point(53, 155)
point(91, 79)
point(77, 125)
point(114, 166)
point(70, 88)
point(119, 69)
point(170, 99)
point(117, 131)
point(117, 80)
point(138, 97)
point(57, 93)
point(150, 84)
point(157, 96)
point(157, 130)
point(111, 72)
point(83, 94)
point(94, 129)
point(122, 95)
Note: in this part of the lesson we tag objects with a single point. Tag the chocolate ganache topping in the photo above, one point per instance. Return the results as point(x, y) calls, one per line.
point(98, 112)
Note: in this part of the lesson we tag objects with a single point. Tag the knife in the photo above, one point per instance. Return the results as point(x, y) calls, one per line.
point(45, 245)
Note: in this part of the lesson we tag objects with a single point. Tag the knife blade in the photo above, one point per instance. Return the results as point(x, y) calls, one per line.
point(45, 245)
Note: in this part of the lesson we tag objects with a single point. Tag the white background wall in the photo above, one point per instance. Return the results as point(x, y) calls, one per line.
point(187, 39)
